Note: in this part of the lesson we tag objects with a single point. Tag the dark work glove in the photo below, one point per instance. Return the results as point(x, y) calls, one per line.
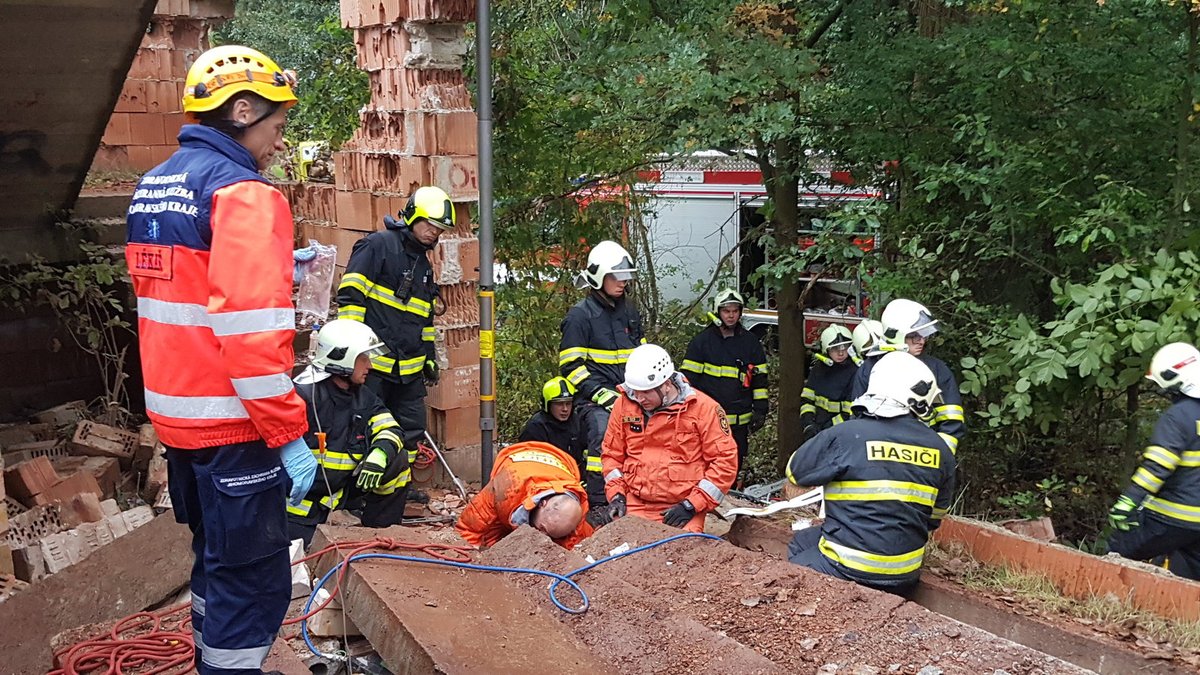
point(599, 516)
point(431, 372)
point(616, 507)
point(757, 420)
point(680, 514)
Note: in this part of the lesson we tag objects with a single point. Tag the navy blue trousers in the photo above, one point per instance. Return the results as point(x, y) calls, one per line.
point(233, 498)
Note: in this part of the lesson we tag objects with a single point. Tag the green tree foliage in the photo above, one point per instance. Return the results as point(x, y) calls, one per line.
point(306, 36)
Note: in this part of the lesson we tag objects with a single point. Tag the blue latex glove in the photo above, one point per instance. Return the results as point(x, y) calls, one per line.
point(299, 257)
point(301, 464)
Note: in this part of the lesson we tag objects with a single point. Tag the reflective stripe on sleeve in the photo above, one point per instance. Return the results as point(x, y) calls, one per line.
point(1147, 480)
point(951, 442)
point(196, 407)
point(613, 475)
point(709, 488)
point(1161, 456)
point(262, 386)
point(594, 465)
point(947, 413)
point(352, 312)
point(578, 375)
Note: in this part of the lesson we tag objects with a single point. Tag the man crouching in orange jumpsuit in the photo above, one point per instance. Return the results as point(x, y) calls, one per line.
point(534, 484)
point(668, 454)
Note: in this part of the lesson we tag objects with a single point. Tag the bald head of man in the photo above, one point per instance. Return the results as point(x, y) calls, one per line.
point(557, 515)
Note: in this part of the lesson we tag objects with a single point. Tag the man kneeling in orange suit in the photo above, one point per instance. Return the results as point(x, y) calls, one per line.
point(533, 484)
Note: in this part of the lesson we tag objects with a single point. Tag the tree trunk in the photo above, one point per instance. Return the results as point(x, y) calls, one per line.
point(1183, 137)
point(793, 357)
point(1131, 420)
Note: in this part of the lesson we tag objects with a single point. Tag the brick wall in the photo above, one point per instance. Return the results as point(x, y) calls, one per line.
point(144, 124)
point(418, 129)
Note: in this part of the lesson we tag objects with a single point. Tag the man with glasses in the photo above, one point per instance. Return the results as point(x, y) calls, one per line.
point(668, 454)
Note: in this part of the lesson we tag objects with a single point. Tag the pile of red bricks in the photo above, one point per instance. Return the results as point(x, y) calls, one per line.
point(418, 129)
point(63, 475)
point(142, 130)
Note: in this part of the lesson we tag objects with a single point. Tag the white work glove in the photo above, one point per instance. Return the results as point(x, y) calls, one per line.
point(301, 466)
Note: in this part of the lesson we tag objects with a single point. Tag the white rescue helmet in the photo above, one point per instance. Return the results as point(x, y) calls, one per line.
point(1176, 368)
point(647, 368)
point(607, 257)
point(903, 317)
point(727, 296)
point(341, 342)
point(835, 335)
point(899, 384)
point(867, 335)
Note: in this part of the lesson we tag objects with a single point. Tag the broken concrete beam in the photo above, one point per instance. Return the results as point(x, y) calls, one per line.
point(124, 577)
point(426, 619)
point(66, 489)
point(100, 440)
point(106, 470)
point(62, 415)
point(25, 480)
point(1074, 573)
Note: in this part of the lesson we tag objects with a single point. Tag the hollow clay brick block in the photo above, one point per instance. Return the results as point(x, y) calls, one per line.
point(66, 489)
point(133, 97)
point(117, 131)
point(28, 565)
point(455, 428)
point(456, 388)
point(26, 480)
point(100, 440)
point(141, 157)
point(146, 129)
point(63, 415)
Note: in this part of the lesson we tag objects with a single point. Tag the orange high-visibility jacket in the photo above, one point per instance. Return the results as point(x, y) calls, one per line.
point(685, 451)
point(210, 254)
point(522, 472)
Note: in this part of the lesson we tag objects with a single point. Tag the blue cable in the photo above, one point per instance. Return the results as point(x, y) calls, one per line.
point(558, 578)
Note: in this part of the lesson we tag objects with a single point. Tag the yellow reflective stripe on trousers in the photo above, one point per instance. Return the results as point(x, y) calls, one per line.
point(1147, 480)
point(760, 394)
point(593, 464)
point(406, 367)
point(735, 420)
point(880, 490)
point(429, 334)
point(394, 484)
point(305, 507)
point(1184, 512)
point(864, 561)
point(808, 409)
point(605, 356)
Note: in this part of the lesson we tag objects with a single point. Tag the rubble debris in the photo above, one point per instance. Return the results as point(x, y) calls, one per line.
point(63, 415)
point(100, 440)
point(25, 480)
point(132, 573)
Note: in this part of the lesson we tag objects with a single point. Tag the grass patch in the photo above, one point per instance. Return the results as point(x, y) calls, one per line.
point(1111, 615)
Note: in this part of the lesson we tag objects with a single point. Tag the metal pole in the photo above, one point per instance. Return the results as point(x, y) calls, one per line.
point(487, 292)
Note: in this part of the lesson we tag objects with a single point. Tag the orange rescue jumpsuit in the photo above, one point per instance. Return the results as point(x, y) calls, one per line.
point(684, 451)
point(524, 474)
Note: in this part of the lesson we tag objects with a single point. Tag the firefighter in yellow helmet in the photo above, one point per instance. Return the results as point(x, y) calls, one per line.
point(558, 422)
point(826, 395)
point(389, 286)
point(210, 256)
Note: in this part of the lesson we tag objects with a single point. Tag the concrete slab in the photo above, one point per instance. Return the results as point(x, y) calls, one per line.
point(124, 577)
point(427, 619)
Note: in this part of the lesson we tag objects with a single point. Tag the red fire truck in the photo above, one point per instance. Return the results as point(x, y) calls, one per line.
point(702, 205)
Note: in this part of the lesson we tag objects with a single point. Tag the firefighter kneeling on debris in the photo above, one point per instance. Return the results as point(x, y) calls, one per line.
point(354, 437)
point(533, 484)
point(888, 481)
point(669, 454)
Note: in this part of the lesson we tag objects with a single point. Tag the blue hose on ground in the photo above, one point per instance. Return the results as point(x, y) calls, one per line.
point(558, 578)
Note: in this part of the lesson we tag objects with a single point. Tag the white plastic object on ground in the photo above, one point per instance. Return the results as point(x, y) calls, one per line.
point(811, 497)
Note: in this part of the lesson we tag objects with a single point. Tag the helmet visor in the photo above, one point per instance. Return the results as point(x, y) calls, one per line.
point(925, 326)
point(622, 275)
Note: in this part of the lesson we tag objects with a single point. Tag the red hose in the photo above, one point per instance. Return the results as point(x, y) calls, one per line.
point(156, 649)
